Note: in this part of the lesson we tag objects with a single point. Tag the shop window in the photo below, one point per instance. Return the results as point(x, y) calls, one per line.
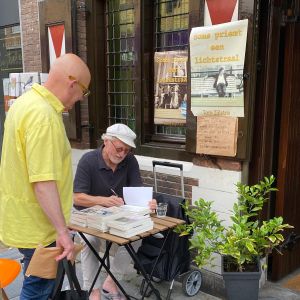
point(171, 34)
point(169, 27)
point(10, 62)
point(120, 62)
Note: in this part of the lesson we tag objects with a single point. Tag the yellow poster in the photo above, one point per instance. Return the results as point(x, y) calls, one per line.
point(170, 89)
point(217, 55)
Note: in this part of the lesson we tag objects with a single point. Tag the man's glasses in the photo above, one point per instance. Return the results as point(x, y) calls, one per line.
point(85, 91)
point(121, 149)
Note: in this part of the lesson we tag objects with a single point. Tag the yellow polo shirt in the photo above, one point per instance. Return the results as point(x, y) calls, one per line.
point(35, 148)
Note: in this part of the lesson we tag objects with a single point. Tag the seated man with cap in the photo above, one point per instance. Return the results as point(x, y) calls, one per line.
point(100, 177)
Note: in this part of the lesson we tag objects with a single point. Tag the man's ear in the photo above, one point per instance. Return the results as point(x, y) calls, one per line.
point(72, 83)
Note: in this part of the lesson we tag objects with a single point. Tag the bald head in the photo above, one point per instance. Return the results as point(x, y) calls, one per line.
point(71, 64)
point(59, 83)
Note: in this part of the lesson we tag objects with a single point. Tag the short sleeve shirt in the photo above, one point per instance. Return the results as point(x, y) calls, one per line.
point(35, 148)
point(95, 178)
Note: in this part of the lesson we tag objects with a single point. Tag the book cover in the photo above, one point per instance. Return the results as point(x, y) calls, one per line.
point(97, 216)
point(133, 231)
point(100, 213)
point(128, 222)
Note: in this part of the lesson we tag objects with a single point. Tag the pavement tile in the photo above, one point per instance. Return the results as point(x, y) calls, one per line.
point(131, 282)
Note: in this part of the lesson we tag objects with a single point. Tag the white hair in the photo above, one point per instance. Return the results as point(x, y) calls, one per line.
point(106, 136)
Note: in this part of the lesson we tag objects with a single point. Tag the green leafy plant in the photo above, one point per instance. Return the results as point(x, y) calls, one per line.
point(246, 239)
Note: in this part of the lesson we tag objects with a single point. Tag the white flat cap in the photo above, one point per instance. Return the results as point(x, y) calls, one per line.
point(121, 132)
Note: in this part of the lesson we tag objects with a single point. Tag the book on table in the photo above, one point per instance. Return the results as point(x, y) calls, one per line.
point(146, 226)
point(78, 218)
point(98, 216)
point(128, 222)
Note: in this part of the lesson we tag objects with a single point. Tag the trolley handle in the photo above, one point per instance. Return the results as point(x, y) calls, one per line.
point(167, 164)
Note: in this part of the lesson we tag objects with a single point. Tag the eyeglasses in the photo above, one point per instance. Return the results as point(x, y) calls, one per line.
point(121, 149)
point(85, 91)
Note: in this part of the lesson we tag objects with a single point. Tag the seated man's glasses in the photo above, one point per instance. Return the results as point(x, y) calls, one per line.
point(85, 91)
point(121, 149)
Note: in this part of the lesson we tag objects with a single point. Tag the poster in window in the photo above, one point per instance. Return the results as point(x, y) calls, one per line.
point(217, 56)
point(27, 80)
point(170, 90)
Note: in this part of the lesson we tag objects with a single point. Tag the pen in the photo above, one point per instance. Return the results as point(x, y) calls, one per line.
point(116, 194)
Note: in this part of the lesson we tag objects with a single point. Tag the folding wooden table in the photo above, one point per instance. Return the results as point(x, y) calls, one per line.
point(160, 225)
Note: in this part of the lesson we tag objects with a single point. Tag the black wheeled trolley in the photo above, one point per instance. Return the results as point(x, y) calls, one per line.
point(174, 261)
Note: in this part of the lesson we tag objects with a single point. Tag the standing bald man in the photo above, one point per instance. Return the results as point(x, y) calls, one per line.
point(36, 171)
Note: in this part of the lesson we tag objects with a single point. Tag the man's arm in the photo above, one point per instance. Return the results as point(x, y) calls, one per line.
point(48, 197)
point(82, 199)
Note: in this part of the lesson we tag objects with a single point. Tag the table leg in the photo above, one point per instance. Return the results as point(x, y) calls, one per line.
point(102, 262)
point(106, 254)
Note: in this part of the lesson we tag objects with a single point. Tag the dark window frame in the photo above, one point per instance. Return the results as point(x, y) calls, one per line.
point(168, 147)
point(150, 144)
point(172, 148)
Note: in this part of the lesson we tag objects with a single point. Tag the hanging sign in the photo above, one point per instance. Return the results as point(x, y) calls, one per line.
point(217, 55)
point(217, 135)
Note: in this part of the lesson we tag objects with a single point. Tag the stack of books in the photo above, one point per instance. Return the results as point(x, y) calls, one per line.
point(96, 216)
point(124, 221)
point(137, 220)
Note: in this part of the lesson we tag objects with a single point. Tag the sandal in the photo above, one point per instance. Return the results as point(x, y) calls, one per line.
point(106, 295)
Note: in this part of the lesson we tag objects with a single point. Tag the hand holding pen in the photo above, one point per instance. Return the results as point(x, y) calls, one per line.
point(115, 196)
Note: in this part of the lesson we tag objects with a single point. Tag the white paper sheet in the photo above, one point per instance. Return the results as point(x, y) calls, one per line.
point(139, 196)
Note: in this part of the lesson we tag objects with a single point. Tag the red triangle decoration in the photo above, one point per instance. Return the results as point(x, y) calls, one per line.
point(57, 34)
point(221, 11)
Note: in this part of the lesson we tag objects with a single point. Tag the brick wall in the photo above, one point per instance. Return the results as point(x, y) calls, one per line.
point(170, 184)
point(29, 22)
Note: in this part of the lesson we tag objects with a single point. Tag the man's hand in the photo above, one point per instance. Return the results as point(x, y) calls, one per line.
point(65, 242)
point(152, 204)
point(114, 201)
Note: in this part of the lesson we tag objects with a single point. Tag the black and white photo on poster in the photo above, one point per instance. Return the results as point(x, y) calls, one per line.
point(170, 76)
point(217, 56)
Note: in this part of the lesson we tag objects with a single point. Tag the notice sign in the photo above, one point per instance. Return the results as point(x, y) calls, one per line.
point(217, 56)
point(217, 135)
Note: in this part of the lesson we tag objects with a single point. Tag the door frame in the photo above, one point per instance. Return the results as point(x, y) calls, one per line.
point(266, 155)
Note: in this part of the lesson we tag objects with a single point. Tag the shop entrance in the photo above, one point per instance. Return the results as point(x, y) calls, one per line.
point(276, 132)
point(288, 161)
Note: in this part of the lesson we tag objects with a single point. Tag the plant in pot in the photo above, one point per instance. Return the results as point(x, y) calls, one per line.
point(243, 244)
